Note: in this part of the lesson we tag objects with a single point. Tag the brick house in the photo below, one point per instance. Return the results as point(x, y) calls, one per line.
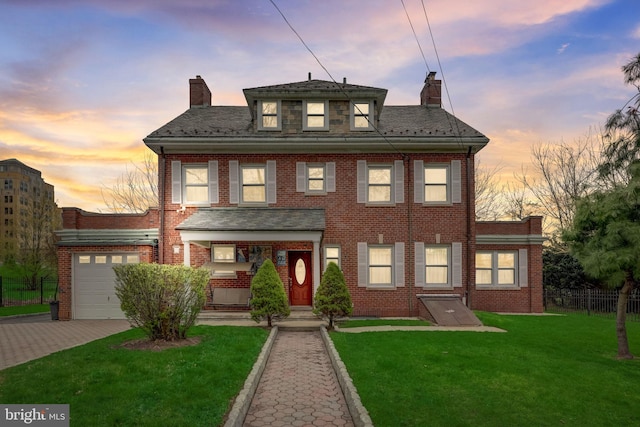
point(314, 172)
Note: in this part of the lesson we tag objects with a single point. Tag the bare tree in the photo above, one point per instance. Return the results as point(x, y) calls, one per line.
point(136, 190)
point(562, 174)
point(488, 195)
point(518, 203)
point(36, 255)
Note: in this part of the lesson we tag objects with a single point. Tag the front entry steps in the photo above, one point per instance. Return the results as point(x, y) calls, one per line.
point(448, 310)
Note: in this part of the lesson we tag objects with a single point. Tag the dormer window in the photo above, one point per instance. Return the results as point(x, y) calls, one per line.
point(362, 115)
point(269, 117)
point(315, 115)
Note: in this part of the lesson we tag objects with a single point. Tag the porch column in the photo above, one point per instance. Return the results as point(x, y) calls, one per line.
point(317, 266)
point(187, 252)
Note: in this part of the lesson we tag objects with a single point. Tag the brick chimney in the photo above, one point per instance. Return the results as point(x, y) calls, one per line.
point(431, 94)
point(199, 93)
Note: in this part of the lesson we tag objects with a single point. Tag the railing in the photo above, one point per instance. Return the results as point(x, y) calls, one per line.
point(15, 292)
point(593, 302)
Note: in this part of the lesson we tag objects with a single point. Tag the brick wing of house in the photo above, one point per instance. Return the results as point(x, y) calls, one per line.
point(313, 172)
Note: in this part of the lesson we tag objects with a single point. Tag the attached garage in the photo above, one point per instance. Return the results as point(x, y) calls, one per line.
point(94, 295)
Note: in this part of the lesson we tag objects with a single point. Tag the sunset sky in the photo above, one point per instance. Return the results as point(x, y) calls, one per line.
point(82, 82)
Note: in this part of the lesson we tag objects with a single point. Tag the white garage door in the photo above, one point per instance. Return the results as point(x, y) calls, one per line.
point(94, 293)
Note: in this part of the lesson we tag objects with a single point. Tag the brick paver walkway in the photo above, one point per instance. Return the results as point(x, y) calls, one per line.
point(298, 386)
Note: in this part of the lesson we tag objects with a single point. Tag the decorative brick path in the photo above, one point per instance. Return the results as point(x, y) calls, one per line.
point(298, 386)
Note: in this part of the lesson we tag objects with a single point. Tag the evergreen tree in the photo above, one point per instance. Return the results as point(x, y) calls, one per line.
point(332, 298)
point(269, 300)
point(605, 237)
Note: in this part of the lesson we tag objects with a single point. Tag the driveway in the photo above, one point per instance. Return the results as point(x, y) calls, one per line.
point(26, 338)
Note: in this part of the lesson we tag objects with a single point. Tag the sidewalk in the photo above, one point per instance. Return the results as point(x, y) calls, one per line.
point(298, 386)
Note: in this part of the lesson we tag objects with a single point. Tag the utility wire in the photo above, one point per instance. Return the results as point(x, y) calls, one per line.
point(415, 35)
point(334, 80)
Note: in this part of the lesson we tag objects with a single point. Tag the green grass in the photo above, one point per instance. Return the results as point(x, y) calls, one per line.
point(106, 385)
point(546, 371)
point(358, 323)
point(24, 309)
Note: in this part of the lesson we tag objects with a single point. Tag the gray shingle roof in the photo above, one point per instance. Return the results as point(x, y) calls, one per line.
point(224, 121)
point(255, 219)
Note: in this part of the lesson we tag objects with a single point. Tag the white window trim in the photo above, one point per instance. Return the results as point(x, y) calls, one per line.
point(325, 258)
point(446, 284)
point(353, 113)
point(305, 115)
point(520, 270)
point(235, 183)
point(302, 178)
point(242, 185)
point(455, 265)
point(178, 182)
point(226, 275)
point(397, 182)
point(454, 182)
point(278, 115)
point(397, 267)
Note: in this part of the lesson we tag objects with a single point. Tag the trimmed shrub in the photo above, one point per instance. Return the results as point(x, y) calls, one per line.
point(163, 300)
point(268, 298)
point(332, 298)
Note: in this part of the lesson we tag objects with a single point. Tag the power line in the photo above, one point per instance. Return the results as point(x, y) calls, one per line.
point(334, 80)
point(415, 35)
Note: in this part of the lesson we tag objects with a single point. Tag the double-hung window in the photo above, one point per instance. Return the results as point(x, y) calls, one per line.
point(315, 115)
point(331, 254)
point(223, 254)
point(253, 184)
point(497, 268)
point(361, 117)
point(196, 184)
point(380, 184)
point(437, 261)
point(315, 178)
point(436, 184)
point(269, 116)
point(381, 266)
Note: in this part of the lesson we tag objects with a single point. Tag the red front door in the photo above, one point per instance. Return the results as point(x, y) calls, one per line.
point(300, 278)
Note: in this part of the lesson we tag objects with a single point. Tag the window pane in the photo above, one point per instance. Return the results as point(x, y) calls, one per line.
point(435, 176)
point(197, 194)
point(101, 259)
point(380, 275)
point(360, 108)
point(315, 108)
point(506, 260)
point(315, 121)
point(224, 253)
point(437, 274)
point(316, 185)
point(252, 176)
point(133, 259)
point(253, 194)
point(269, 107)
point(506, 277)
point(380, 194)
point(380, 256)
point(195, 175)
point(332, 252)
point(360, 122)
point(437, 256)
point(380, 176)
point(84, 259)
point(435, 193)
point(483, 260)
point(116, 259)
point(269, 122)
point(483, 277)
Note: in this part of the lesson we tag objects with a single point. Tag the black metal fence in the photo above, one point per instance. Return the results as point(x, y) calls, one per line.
point(15, 292)
point(593, 302)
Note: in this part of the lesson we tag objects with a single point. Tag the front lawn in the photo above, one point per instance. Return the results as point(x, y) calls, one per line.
point(107, 385)
point(24, 309)
point(546, 371)
point(360, 323)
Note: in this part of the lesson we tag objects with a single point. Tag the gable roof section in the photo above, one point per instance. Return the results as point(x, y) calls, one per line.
point(254, 219)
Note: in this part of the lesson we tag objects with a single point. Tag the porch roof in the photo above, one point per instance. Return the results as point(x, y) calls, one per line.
point(255, 219)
